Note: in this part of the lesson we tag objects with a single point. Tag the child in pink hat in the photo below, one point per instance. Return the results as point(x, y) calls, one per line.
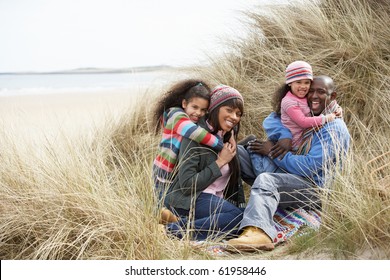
point(290, 102)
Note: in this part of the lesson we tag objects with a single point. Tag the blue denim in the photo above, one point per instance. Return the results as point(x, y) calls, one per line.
point(160, 190)
point(212, 217)
point(246, 166)
point(261, 164)
point(273, 190)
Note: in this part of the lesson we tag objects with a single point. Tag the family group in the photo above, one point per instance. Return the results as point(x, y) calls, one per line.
point(200, 166)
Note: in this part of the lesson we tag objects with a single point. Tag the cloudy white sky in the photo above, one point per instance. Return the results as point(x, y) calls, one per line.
point(46, 35)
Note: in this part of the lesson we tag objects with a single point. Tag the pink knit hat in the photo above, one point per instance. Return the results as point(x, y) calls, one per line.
point(298, 70)
point(222, 93)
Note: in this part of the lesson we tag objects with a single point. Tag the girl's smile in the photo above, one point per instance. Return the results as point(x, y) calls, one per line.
point(300, 88)
point(195, 108)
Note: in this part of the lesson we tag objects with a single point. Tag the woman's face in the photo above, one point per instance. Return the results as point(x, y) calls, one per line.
point(228, 117)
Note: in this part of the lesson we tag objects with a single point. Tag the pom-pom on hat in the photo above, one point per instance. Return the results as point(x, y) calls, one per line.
point(222, 93)
point(298, 70)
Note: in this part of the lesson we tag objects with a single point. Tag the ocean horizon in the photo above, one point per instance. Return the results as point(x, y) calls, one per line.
point(12, 84)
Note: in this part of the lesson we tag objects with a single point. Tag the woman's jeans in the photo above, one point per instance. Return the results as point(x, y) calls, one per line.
point(212, 217)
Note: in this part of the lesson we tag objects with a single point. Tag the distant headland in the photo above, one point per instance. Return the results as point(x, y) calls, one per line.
point(93, 70)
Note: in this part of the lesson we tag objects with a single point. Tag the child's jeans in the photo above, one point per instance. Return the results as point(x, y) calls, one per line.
point(262, 164)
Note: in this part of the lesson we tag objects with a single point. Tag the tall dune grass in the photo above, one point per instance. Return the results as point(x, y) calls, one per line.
point(77, 199)
point(349, 41)
point(73, 198)
point(72, 201)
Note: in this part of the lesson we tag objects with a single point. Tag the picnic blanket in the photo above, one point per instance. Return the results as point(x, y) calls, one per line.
point(287, 223)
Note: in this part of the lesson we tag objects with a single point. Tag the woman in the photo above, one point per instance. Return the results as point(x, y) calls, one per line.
point(207, 192)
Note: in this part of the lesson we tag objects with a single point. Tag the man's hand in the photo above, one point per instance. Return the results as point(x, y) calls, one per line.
point(281, 148)
point(260, 147)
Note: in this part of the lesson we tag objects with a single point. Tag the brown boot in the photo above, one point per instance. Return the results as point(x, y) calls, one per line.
point(166, 217)
point(252, 239)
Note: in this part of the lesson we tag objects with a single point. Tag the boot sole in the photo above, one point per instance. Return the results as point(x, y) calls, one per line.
point(249, 248)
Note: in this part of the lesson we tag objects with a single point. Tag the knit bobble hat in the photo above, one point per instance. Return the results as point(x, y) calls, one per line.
point(222, 93)
point(298, 70)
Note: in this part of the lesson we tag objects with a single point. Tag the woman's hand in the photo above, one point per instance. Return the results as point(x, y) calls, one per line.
point(226, 155)
point(232, 139)
point(228, 152)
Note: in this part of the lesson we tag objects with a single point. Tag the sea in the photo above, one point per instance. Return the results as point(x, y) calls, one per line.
point(49, 83)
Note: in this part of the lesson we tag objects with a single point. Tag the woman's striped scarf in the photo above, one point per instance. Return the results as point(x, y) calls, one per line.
point(308, 133)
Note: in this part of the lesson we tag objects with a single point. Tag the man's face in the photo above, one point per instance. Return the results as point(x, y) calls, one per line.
point(319, 96)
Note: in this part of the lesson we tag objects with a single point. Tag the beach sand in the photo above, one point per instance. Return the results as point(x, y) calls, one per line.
point(36, 118)
point(74, 113)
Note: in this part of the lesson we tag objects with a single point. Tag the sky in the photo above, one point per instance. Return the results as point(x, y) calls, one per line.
point(49, 35)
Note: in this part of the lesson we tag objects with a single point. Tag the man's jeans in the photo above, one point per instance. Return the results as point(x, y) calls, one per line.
point(272, 190)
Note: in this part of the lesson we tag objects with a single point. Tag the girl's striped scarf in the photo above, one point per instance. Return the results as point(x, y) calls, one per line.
point(308, 133)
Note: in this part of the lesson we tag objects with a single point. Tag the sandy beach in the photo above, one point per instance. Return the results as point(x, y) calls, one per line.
point(35, 114)
point(70, 110)
point(33, 118)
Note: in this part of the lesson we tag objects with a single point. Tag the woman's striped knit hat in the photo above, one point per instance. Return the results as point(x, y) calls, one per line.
point(298, 70)
point(222, 93)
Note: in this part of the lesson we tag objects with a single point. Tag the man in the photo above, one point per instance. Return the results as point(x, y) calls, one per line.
point(323, 148)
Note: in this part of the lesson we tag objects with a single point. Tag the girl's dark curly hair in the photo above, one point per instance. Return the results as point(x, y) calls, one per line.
point(183, 90)
point(278, 96)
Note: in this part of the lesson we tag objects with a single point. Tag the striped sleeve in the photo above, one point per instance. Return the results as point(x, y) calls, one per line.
point(182, 125)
